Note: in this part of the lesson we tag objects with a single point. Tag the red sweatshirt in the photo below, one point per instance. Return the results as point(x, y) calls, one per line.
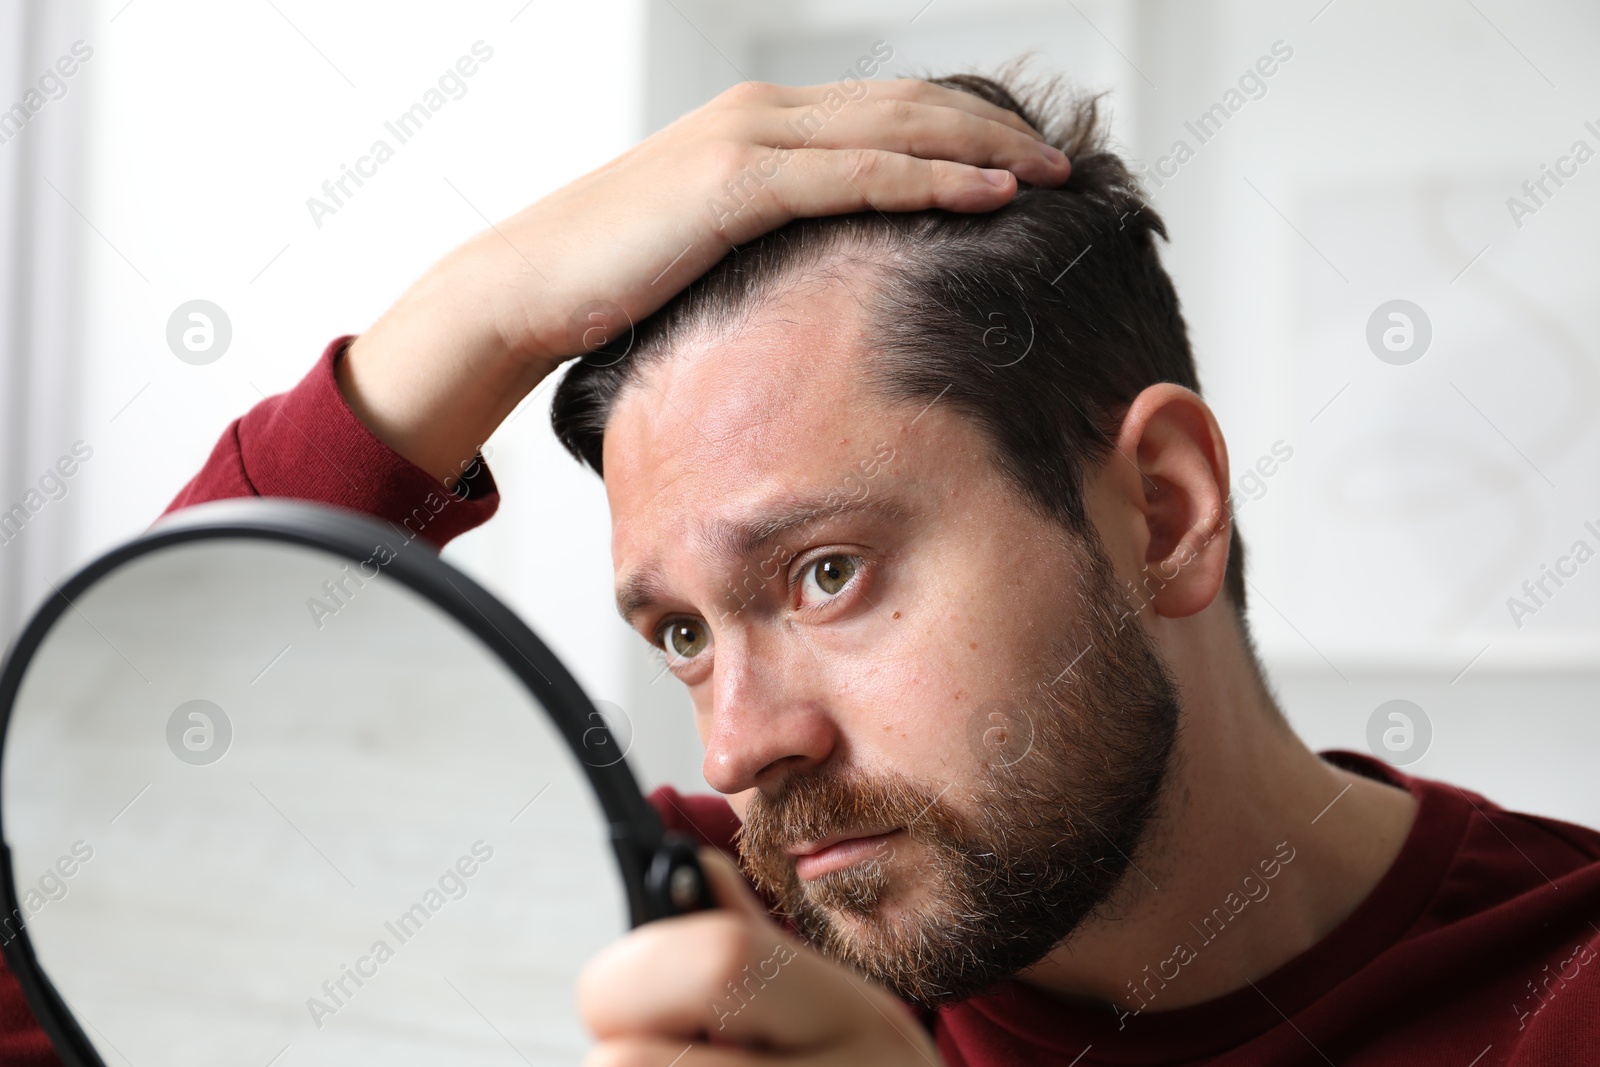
point(1474, 950)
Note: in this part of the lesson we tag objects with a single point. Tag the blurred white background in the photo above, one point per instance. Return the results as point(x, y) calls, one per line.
point(1375, 164)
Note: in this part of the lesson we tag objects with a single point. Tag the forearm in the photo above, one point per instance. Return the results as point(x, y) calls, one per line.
point(307, 444)
point(435, 375)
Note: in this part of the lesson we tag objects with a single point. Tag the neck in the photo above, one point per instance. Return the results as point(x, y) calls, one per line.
point(1258, 850)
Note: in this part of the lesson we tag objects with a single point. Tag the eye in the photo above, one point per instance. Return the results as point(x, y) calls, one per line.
point(826, 578)
point(684, 638)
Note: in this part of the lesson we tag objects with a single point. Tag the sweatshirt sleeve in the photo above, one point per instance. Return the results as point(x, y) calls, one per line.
point(22, 1040)
point(307, 444)
point(708, 819)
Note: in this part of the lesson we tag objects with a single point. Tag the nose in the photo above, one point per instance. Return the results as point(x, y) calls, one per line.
point(767, 720)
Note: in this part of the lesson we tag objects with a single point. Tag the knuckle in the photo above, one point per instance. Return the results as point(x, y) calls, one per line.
point(862, 165)
point(899, 112)
point(724, 159)
point(746, 94)
point(945, 175)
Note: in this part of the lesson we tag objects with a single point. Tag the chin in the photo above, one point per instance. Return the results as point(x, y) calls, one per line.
point(871, 913)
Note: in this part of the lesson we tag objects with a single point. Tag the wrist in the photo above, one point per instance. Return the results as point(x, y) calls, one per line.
point(432, 381)
point(498, 306)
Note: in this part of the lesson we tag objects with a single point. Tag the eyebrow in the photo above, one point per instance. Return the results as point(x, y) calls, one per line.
point(638, 591)
point(744, 539)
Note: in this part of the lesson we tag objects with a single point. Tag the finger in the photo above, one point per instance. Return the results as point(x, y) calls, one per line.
point(728, 884)
point(814, 182)
point(924, 130)
point(652, 1052)
point(718, 973)
point(655, 1052)
point(914, 90)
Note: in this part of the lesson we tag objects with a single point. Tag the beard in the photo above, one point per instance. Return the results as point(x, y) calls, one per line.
point(1070, 777)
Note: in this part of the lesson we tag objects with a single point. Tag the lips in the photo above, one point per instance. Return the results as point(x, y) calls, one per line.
point(813, 859)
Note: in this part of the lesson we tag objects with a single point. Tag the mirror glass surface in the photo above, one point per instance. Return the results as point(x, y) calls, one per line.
point(266, 805)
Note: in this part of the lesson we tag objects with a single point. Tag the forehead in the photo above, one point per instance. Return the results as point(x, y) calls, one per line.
point(776, 407)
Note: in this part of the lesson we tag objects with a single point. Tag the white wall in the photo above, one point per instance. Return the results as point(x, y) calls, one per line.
point(44, 106)
point(215, 123)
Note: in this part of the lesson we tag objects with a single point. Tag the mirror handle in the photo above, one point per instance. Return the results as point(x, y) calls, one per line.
point(674, 884)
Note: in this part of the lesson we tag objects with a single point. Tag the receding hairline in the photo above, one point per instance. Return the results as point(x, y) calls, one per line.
point(858, 264)
point(845, 259)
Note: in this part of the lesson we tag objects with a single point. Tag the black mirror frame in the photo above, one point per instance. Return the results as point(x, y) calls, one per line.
point(660, 870)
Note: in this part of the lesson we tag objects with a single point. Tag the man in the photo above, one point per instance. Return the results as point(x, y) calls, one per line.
point(926, 511)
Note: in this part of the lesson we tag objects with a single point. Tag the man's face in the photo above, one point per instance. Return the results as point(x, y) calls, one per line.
point(916, 689)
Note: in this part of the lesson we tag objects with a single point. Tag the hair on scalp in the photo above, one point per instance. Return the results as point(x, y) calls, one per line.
point(1040, 321)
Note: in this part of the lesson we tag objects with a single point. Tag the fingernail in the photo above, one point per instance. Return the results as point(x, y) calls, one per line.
point(1052, 154)
point(995, 177)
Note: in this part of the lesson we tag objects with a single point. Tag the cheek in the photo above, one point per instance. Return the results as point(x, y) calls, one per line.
point(909, 694)
point(907, 707)
point(993, 655)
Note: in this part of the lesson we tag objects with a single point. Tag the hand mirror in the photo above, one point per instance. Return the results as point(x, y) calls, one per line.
point(279, 786)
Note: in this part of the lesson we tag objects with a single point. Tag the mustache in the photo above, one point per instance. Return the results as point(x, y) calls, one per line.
point(829, 803)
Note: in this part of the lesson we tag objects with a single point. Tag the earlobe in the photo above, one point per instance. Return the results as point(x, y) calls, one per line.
point(1172, 440)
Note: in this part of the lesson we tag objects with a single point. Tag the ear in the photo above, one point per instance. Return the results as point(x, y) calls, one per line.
point(1164, 498)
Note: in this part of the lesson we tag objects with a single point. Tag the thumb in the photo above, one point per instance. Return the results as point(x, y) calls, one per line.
point(728, 885)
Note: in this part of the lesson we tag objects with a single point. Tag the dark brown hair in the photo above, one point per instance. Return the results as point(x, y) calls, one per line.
point(1040, 321)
